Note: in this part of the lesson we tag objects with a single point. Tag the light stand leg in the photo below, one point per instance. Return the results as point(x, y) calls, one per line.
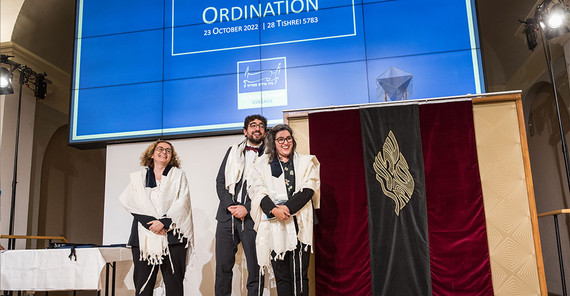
point(564, 153)
point(12, 242)
point(560, 261)
point(557, 105)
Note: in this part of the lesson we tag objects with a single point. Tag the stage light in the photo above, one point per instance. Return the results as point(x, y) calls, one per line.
point(550, 18)
point(41, 86)
point(556, 16)
point(5, 82)
point(530, 30)
point(551, 15)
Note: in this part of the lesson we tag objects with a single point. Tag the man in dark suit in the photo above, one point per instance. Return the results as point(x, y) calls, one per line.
point(234, 222)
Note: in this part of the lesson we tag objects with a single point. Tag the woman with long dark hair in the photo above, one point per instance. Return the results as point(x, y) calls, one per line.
point(285, 192)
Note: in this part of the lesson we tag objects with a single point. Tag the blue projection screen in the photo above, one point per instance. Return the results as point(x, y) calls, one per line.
point(150, 68)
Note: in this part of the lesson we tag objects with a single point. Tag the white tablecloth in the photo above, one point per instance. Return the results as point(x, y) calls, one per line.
point(46, 270)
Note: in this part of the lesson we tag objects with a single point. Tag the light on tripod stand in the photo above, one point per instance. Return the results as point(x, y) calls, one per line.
point(35, 81)
point(551, 15)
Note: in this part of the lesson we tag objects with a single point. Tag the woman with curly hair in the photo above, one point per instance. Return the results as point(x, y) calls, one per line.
point(159, 200)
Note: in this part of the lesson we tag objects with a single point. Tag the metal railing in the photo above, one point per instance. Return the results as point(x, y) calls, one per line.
point(557, 228)
point(13, 238)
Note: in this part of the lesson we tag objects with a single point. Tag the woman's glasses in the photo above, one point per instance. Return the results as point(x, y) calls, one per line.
point(282, 140)
point(161, 150)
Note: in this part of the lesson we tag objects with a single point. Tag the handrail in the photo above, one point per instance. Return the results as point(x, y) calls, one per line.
point(61, 238)
point(552, 213)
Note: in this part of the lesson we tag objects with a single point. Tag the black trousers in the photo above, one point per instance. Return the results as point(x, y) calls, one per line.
point(292, 272)
point(226, 248)
point(173, 281)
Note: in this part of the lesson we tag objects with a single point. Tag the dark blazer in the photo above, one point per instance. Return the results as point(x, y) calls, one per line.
point(226, 198)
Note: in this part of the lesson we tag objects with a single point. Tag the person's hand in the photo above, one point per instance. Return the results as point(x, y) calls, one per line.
point(285, 209)
point(157, 227)
point(239, 211)
point(280, 214)
point(232, 209)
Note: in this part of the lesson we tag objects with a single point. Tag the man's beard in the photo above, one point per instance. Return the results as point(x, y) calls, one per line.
point(253, 141)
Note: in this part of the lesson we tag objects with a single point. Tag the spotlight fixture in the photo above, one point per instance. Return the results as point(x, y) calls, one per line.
point(28, 77)
point(530, 30)
point(556, 16)
point(550, 17)
point(5, 82)
point(41, 86)
point(551, 14)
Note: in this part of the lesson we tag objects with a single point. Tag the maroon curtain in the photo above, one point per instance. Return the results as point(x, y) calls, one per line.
point(342, 254)
point(459, 254)
point(458, 250)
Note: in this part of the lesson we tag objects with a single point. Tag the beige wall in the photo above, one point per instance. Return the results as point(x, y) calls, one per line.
point(72, 191)
point(9, 11)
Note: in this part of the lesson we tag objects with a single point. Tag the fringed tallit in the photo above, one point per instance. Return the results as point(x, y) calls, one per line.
point(235, 165)
point(175, 198)
point(274, 235)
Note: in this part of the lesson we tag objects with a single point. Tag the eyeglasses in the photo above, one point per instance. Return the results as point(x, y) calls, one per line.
point(257, 125)
point(161, 150)
point(282, 140)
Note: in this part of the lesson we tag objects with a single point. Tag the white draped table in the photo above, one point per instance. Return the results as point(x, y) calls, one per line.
point(52, 269)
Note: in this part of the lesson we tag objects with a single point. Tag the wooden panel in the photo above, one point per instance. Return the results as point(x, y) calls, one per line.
point(514, 244)
point(300, 126)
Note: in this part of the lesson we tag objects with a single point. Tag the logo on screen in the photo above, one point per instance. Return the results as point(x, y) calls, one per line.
point(267, 78)
point(262, 83)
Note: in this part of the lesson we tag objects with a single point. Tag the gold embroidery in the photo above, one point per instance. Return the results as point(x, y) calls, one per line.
point(393, 174)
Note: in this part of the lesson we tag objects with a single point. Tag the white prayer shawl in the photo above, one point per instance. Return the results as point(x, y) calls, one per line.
point(274, 235)
point(175, 197)
point(235, 164)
